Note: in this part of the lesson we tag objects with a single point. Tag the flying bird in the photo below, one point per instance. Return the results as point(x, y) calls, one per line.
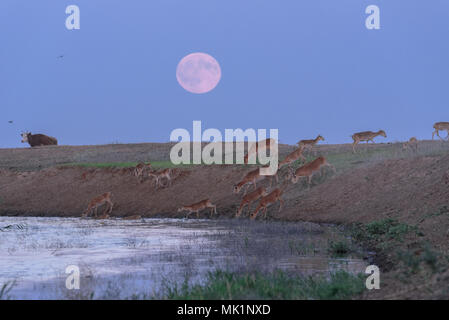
point(61, 56)
point(10, 121)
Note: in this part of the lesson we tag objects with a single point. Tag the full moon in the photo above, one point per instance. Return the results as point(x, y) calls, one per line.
point(198, 72)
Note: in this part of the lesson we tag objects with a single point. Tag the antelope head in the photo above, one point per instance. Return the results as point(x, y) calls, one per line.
point(320, 137)
point(382, 133)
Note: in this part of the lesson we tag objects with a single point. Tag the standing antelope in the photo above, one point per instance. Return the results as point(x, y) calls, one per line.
point(292, 157)
point(441, 126)
point(412, 143)
point(140, 168)
point(267, 200)
point(366, 136)
point(158, 175)
point(197, 207)
point(310, 143)
point(264, 144)
point(96, 202)
point(251, 197)
point(309, 169)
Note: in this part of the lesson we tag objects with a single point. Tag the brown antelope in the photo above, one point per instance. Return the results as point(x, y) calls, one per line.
point(441, 126)
point(158, 175)
point(292, 157)
point(251, 178)
point(197, 207)
point(140, 168)
point(96, 202)
point(251, 197)
point(309, 169)
point(310, 143)
point(366, 136)
point(267, 200)
point(412, 143)
point(264, 144)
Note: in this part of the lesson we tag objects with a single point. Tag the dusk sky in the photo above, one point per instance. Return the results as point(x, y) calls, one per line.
point(304, 67)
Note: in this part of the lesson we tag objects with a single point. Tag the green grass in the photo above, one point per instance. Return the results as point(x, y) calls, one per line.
point(154, 164)
point(382, 230)
point(278, 285)
point(339, 248)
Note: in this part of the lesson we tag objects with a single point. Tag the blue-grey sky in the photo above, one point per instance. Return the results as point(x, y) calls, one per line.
point(305, 67)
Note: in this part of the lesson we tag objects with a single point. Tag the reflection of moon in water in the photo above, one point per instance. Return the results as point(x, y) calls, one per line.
point(198, 73)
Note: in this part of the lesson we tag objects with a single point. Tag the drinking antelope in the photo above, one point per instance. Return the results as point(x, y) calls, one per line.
point(264, 144)
point(309, 169)
point(158, 175)
point(140, 168)
point(96, 202)
point(412, 143)
point(441, 126)
point(310, 143)
point(366, 136)
point(197, 207)
point(267, 200)
point(251, 197)
point(292, 157)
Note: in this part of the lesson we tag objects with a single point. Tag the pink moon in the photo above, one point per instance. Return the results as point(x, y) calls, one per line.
point(198, 73)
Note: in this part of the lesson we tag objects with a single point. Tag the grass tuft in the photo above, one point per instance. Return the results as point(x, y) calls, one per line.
point(278, 285)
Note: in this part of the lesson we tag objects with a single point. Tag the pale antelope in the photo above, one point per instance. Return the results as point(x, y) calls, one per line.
point(267, 200)
point(412, 143)
point(158, 175)
point(98, 201)
point(264, 144)
point(251, 178)
point(441, 126)
point(310, 143)
point(292, 157)
point(197, 207)
point(251, 197)
point(366, 136)
point(140, 168)
point(309, 169)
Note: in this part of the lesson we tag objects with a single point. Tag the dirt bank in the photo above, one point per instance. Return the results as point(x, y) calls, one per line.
point(405, 194)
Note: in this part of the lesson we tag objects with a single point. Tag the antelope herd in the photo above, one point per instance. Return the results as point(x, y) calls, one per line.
point(261, 193)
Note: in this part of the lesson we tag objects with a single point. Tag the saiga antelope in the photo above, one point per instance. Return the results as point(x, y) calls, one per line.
point(140, 168)
point(267, 200)
point(96, 202)
point(366, 136)
point(158, 175)
point(309, 169)
point(441, 126)
point(264, 144)
point(310, 143)
point(412, 143)
point(197, 207)
point(251, 178)
point(251, 197)
point(292, 157)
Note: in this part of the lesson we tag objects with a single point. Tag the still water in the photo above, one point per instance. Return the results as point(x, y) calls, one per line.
point(121, 259)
